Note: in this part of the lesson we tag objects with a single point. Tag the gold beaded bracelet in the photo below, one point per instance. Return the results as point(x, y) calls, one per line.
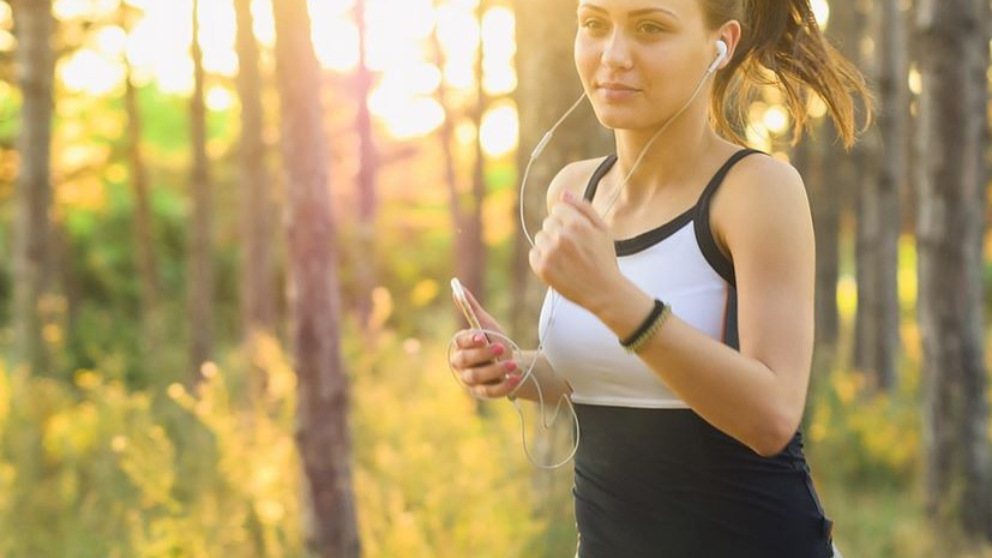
point(651, 325)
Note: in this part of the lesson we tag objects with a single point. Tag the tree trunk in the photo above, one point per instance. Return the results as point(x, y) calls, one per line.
point(257, 272)
point(544, 56)
point(322, 433)
point(144, 238)
point(879, 222)
point(365, 264)
point(200, 273)
point(953, 139)
point(33, 24)
point(548, 86)
point(446, 134)
point(471, 258)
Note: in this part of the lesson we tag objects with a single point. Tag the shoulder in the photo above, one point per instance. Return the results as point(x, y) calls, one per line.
point(760, 193)
point(572, 177)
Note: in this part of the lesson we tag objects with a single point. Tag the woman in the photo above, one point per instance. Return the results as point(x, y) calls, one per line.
point(701, 265)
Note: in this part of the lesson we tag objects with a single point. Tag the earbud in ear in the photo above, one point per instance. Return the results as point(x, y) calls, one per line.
point(721, 48)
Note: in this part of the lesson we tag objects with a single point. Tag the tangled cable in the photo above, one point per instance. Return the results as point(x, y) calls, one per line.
point(523, 223)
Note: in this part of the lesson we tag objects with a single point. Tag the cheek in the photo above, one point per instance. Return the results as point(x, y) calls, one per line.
point(586, 59)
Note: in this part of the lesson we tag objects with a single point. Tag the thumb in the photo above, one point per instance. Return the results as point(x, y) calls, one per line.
point(485, 319)
point(476, 307)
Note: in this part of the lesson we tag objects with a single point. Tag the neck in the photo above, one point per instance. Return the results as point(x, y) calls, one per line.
point(670, 159)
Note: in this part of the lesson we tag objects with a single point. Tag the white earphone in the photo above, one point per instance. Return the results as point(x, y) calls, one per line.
point(722, 49)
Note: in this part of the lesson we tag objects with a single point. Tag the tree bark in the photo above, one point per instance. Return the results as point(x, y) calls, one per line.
point(446, 134)
point(33, 25)
point(257, 206)
point(544, 56)
point(879, 222)
point(200, 272)
point(471, 258)
point(548, 85)
point(952, 200)
point(365, 264)
point(144, 237)
point(322, 432)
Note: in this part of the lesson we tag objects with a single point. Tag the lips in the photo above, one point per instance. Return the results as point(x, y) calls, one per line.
point(616, 92)
point(614, 86)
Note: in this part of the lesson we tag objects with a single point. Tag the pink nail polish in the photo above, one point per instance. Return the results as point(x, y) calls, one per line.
point(511, 366)
point(498, 350)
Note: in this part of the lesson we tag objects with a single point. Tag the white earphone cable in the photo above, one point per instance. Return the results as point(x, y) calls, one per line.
point(554, 295)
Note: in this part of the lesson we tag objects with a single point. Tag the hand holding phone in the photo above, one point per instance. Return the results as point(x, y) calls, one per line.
point(497, 358)
point(462, 300)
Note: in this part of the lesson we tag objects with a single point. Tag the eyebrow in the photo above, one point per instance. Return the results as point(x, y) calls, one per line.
point(632, 13)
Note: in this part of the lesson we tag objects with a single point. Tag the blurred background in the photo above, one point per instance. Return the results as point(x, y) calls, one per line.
point(228, 228)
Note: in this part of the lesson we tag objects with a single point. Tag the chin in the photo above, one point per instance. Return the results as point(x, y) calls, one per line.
point(619, 120)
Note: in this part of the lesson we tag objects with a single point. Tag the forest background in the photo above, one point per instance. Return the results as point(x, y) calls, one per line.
point(225, 294)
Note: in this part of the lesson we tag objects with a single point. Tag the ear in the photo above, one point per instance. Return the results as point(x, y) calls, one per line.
point(730, 34)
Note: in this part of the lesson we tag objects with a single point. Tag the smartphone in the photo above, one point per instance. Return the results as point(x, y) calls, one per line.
point(462, 300)
point(473, 320)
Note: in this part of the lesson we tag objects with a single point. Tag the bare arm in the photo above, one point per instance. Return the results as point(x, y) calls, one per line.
point(756, 395)
point(553, 386)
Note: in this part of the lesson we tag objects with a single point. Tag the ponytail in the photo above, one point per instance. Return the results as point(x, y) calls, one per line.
point(782, 45)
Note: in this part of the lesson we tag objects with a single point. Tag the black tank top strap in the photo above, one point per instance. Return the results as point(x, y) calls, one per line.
point(704, 235)
point(601, 170)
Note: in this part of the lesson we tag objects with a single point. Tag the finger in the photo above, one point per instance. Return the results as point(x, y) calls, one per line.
point(501, 389)
point(585, 209)
point(536, 261)
point(542, 240)
point(489, 375)
point(466, 339)
point(473, 357)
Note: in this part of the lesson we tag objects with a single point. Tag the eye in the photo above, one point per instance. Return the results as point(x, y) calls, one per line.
point(592, 25)
point(649, 28)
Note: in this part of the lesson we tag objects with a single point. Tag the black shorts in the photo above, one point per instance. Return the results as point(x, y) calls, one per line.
point(665, 483)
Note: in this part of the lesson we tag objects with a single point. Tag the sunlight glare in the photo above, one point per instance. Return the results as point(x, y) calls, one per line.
point(7, 40)
point(398, 39)
point(498, 76)
point(64, 10)
point(219, 99)
point(915, 79)
point(815, 107)
point(458, 33)
point(499, 130)
point(218, 35)
point(6, 16)
point(405, 116)
point(417, 79)
point(776, 119)
point(821, 10)
point(336, 43)
point(757, 137)
point(264, 25)
point(111, 41)
point(87, 71)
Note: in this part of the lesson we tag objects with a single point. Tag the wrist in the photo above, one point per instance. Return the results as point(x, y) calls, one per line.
point(623, 309)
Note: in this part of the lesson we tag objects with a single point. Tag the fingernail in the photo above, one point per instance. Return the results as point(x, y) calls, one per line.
point(510, 365)
point(477, 338)
point(568, 195)
point(514, 380)
point(498, 350)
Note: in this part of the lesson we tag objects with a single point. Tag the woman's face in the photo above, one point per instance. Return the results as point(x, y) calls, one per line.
point(640, 60)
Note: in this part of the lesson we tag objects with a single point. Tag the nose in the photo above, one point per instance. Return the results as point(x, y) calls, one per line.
point(615, 51)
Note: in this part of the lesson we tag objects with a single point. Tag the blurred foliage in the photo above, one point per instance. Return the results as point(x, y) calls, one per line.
point(97, 469)
point(106, 455)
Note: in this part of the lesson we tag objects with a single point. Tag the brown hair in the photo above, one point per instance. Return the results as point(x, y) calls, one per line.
point(781, 44)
